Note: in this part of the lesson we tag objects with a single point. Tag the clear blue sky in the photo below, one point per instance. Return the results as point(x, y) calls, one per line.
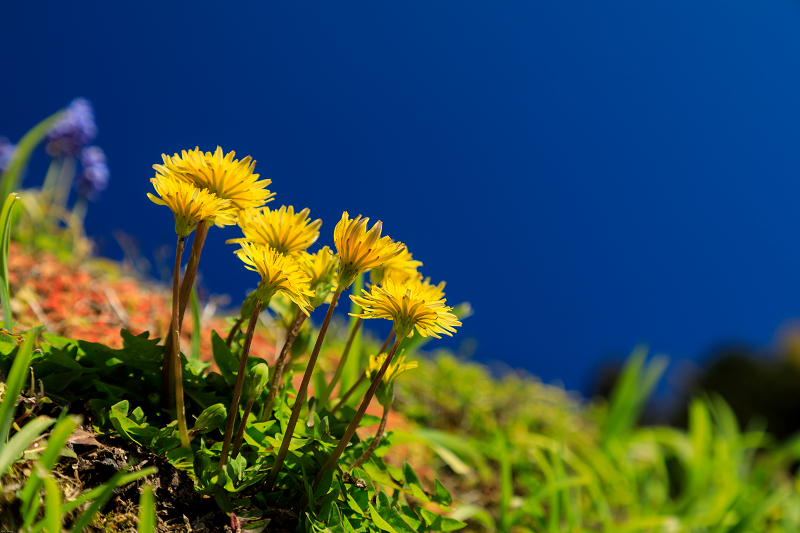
point(589, 175)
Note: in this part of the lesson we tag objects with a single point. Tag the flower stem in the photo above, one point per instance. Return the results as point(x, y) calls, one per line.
point(375, 441)
point(191, 267)
point(240, 434)
point(301, 394)
point(342, 361)
point(351, 429)
point(361, 378)
point(234, 330)
point(176, 348)
point(237, 389)
point(168, 372)
point(280, 364)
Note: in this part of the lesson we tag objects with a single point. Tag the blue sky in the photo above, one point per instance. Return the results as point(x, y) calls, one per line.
point(589, 175)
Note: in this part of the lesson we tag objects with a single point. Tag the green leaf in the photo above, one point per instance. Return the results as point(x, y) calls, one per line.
point(388, 519)
point(441, 495)
point(122, 407)
point(60, 381)
point(227, 363)
point(58, 342)
point(413, 484)
point(441, 523)
point(236, 468)
point(324, 484)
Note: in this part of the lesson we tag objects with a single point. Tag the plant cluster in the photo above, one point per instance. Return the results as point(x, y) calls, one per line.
point(247, 448)
point(204, 188)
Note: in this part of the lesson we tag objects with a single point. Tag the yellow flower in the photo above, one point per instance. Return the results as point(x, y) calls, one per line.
point(385, 391)
point(320, 267)
point(396, 367)
point(409, 306)
point(401, 268)
point(282, 229)
point(225, 176)
point(191, 205)
point(431, 292)
point(279, 273)
point(359, 249)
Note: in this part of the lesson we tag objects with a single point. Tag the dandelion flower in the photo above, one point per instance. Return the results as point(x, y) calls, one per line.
point(320, 267)
point(228, 178)
point(396, 367)
point(282, 229)
point(278, 272)
point(385, 391)
point(409, 306)
point(191, 205)
point(401, 268)
point(361, 250)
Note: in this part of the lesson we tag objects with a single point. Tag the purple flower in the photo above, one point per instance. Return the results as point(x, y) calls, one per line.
point(6, 153)
point(74, 130)
point(94, 177)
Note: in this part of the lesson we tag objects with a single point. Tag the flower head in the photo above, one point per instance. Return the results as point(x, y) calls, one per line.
point(385, 391)
point(359, 249)
point(279, 273)
point(401, 268)
point(224, 176)
point(320, 267)
point(396, 367)
point(73, 130)
point(282, 229)
point(409, 306)
point(191, 205)
point(94, 177)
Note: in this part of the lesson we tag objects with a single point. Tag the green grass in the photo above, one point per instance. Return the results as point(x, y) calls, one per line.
point(541, 460)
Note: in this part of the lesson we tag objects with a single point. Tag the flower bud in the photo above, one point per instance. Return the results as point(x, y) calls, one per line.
point(255, 381)
point(210, 419)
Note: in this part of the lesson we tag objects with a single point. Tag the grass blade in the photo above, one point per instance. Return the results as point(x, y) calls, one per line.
point(55, 442)
point(14, 384)
point(12, 177)
point(5, 235)
point(20, 442)
point(52, 504)
point(147, 511)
